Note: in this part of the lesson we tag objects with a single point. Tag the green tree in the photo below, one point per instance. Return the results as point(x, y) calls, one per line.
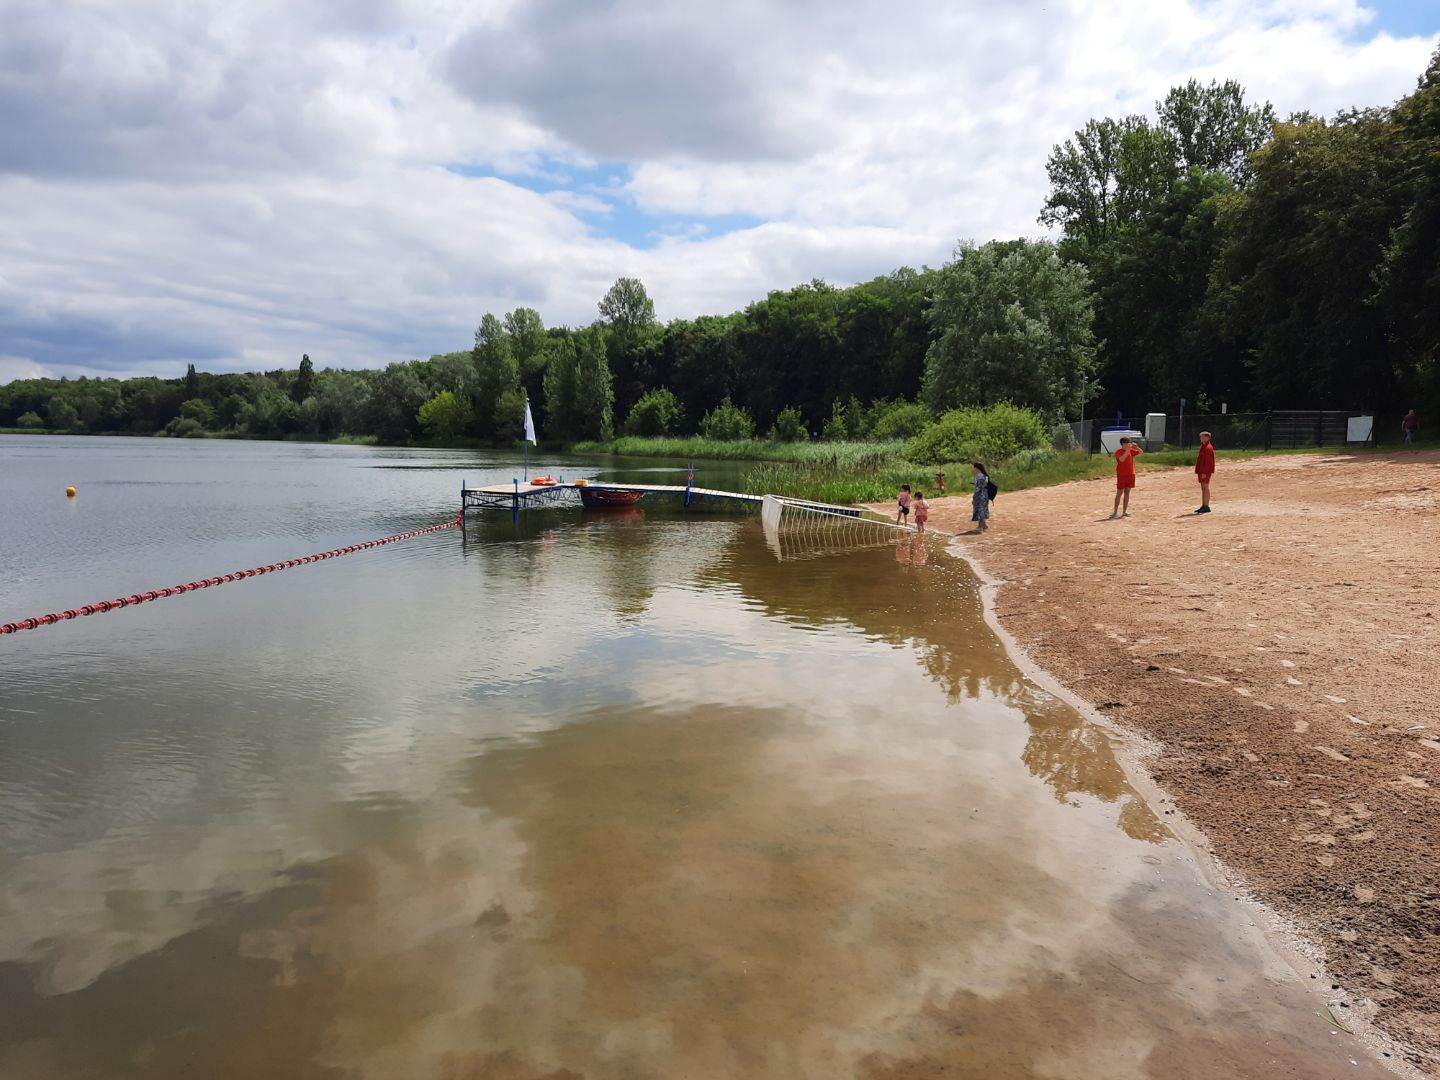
point(29, 420)
point(63, 415)
point(192, 381)
point(1104, 178)
point(445, 416)
point(789, 426)
point(1409, 275)
point(392, 409)
point(1151, 287)
point(658, 412)
point(560, 380)
point(727, 422)
point(594, 401)
point(304, 379)
point(496, 373)
point(1303, 245)
point(199, 410)
point(1013, 323)
point(1214, 129)
point(627, 308)
point(528, 343)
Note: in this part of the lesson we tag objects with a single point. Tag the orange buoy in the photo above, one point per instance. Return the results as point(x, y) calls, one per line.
point(70, 491)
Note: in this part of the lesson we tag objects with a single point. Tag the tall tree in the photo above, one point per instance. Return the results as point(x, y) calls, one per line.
point(1105, 178)
point(304, 379)
point(1213, 128)
point(497, 376)
point(1295, 278)
point(560, 411)
point(1410, 271)
point(594, 406)
point(192, 381)
point(627, 308)
point(527, 342)
point(629, 317)
point(1013, 321)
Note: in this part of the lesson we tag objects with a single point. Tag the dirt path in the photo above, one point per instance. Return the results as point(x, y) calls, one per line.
point(1284, 653)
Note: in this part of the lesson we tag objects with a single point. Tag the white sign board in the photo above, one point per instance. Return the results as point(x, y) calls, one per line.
point(1359, 428)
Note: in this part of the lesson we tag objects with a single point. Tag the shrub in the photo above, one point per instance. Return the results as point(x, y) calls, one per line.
point(789, 426)
point(445, 416)
point(837, 428)
point(998, 432)
point(1062, 438)
point(658, 412)
point(184, 428)
point(902, 420)
point(727, 422)
point(30, 420)
point(1033, 458)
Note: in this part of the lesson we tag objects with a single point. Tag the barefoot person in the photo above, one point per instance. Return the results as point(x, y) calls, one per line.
point(980, 498)
point(922, 511)
point(902, 516)
point(1125, 456)
point(1204, 469)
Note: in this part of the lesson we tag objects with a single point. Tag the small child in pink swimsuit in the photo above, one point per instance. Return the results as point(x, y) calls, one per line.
point(922, 511)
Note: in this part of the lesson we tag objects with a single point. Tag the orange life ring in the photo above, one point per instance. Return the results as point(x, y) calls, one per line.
point(542, 480)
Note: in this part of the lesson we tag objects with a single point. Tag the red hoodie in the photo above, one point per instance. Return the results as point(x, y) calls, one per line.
point(1205, 460)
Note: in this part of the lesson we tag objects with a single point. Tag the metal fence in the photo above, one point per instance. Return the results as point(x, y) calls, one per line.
point(1279, 429)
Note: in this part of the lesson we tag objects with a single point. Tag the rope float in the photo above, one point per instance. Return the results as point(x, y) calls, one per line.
point(205, 583)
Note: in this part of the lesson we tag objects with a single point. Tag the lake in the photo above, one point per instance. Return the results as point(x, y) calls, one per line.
point(599, 794)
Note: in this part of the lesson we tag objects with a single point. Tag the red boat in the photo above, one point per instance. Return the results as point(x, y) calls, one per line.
point(604, 498)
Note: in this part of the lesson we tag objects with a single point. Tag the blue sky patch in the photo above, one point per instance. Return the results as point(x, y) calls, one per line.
point(622, 218)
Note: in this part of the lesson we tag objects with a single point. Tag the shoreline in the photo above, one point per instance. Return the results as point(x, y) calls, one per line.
point(1135, 752)
point(1232, 659)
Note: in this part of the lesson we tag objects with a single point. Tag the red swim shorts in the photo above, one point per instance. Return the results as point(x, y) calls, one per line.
point(1124, 482)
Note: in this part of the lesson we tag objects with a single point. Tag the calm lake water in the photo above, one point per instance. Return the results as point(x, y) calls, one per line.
point(609, 795)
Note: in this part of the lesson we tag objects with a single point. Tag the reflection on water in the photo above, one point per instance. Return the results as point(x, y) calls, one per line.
point(610, 795)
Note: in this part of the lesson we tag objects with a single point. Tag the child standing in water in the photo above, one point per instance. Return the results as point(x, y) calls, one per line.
point(1125, 457)
point(902, 516)
point(922, 511)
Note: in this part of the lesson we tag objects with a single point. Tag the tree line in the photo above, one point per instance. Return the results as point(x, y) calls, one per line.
point(1211, 251)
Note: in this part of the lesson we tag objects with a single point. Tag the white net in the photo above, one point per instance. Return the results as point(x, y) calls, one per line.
point(796, 529)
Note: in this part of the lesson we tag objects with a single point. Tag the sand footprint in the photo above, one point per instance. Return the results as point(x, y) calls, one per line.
point(1333, 754)
point(1302, 726)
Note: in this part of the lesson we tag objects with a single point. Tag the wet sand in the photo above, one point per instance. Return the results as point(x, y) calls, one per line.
point(1283, 655)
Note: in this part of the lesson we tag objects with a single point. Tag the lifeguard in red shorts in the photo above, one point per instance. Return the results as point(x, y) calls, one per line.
point(1125, 456)
point(1204, 470)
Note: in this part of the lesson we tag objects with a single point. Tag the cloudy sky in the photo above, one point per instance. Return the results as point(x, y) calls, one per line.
point(234, 184)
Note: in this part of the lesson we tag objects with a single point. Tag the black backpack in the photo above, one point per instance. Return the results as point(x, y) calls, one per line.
point(990, 489)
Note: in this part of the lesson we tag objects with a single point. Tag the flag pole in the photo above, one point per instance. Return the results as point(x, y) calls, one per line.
point(526, 440)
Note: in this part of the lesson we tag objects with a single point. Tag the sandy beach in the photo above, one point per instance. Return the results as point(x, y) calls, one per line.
point(1282, 656)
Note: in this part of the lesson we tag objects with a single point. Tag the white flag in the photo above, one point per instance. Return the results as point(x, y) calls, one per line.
point(530, 425)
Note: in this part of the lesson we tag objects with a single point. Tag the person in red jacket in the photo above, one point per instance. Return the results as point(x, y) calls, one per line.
point(1204, 469)
point(1125, 456)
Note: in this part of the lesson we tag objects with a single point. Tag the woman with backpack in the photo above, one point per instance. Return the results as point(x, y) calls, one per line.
point(980, 498)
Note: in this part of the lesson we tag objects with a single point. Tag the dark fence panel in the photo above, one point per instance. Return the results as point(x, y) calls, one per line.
point(1280, 429)
point(1293, 429)
point(1229, 431)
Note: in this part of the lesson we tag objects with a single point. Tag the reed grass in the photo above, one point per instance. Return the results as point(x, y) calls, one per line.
point(854, 454)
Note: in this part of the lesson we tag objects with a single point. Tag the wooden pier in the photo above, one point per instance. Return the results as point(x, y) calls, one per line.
point(519, 495)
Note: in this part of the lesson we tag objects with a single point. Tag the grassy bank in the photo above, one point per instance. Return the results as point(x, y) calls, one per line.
point(845, 483)
point(697, 448)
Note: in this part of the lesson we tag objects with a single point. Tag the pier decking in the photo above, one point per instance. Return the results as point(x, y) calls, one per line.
point(518, 495)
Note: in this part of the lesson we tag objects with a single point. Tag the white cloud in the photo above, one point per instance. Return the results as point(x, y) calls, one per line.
point(236, 185)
